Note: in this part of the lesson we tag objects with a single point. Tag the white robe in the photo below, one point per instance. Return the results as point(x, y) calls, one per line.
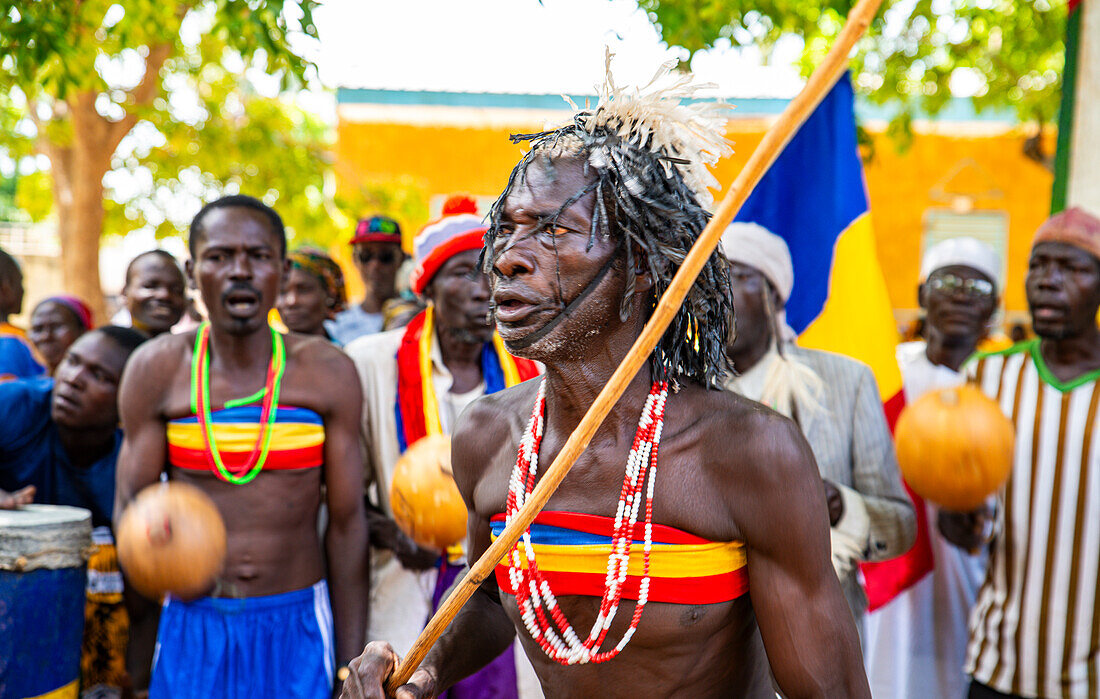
point(916, 644)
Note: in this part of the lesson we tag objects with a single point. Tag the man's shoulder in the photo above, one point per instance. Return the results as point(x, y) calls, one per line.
point(165, 347)
point(312, 349)
point(24, 408)
point(830, 363)
point(746, 446)
point(32, 393)
point(725, 418)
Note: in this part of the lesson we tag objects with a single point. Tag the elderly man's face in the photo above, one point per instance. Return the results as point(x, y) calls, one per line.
point(753, 325)
point(460, 293)
point(1063, 290)
point(540, 264)
point(959, 301)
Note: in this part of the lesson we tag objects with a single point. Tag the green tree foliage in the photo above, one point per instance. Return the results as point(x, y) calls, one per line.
point(146, 108)
point(1011, 51)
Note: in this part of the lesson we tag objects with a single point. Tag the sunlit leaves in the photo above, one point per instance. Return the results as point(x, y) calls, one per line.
point(999, 53)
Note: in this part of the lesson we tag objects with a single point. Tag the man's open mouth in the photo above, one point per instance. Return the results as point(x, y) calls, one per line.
point(242, 303)
point(511, 307)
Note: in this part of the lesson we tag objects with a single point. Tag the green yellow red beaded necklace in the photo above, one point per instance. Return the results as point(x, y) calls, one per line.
point(200, 405)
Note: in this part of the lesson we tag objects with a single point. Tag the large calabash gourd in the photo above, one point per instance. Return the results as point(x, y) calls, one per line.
point(171, 538)
point(954, 447)
point(423, 496)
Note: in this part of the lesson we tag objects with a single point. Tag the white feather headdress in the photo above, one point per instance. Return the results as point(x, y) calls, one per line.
point(661, 118)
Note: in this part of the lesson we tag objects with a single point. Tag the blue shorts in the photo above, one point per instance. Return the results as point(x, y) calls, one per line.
point(273, 646)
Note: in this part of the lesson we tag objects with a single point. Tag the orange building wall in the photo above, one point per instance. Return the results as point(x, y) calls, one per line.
point(478, 160)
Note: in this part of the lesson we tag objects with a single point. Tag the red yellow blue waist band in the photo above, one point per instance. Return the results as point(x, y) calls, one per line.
point(297, 439)
point(571, 551)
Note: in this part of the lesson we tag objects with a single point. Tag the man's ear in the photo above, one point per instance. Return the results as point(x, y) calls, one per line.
point(778, 304)
point(922, 296)
point(188, 273)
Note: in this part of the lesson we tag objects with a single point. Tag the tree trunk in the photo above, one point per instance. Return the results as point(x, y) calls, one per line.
point(78, 169)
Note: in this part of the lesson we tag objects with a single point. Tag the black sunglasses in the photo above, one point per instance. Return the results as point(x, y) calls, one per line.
point(384, 257)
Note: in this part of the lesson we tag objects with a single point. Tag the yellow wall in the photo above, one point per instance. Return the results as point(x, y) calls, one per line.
point(478, 160)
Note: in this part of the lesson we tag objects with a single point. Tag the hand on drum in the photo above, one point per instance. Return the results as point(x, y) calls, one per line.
point(370, 671)
point(967, 530)
point(13, 501)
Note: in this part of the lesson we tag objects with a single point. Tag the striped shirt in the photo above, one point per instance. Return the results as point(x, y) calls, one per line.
point(1035, 628)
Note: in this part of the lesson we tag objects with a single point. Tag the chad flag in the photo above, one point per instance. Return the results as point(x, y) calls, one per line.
point(814, 196)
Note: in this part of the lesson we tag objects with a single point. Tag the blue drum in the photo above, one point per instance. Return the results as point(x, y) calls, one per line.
point(43, 549)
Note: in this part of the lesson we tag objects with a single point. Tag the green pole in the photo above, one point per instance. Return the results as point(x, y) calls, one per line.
point(1066, 111)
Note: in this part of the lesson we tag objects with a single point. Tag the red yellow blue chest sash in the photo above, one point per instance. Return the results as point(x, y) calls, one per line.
point(572, 551)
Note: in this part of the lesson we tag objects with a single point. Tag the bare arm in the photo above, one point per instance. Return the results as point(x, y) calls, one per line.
point(346, 535)
point(807, 628)
point(140, 463)
point(481, 631)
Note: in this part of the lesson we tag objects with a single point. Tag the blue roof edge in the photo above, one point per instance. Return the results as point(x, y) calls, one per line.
point(958, 109)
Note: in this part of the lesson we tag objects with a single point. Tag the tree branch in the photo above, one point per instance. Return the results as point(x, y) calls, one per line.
point(142, 94)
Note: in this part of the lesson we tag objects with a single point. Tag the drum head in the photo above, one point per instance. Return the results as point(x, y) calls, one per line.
point(44, 536)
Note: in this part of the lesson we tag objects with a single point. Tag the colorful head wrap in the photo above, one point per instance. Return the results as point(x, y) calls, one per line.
point(1075, 227)
point(458, 230)
point(80, 309)
point(377, 229)
point(325, 269)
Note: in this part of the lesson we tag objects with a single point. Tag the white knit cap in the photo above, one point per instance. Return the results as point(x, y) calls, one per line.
point(963, 251)
point(753, 245)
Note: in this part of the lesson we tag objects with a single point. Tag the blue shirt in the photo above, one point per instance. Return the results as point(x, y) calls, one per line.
point(352, 323)
point(31, 453)
point(16, 359)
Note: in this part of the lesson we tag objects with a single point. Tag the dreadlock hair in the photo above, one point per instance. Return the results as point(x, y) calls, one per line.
point(647, 154)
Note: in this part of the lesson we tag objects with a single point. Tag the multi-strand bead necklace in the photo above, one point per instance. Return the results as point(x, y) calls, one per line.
point(200, 399)
point(537, 605)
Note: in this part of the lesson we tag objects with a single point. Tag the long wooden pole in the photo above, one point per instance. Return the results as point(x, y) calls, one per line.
point(781, 132)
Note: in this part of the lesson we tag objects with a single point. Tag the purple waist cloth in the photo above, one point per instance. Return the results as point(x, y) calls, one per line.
point(497, 680)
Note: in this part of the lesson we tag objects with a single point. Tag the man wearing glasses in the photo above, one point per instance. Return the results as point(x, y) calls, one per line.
point(378, 256)
point(916, 642)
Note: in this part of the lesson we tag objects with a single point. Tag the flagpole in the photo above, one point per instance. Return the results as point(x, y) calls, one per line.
point(1081, 83)
point(798, 110)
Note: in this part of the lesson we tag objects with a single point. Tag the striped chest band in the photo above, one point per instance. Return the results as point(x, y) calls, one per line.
point(572, 555)
point(240, 440)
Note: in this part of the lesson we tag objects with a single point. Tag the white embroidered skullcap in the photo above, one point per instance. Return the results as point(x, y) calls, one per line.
point(963, 251)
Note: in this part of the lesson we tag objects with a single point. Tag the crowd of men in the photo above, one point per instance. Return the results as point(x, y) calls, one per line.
point(751, 562)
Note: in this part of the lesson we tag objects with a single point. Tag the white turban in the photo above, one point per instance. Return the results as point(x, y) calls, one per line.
point(963, 251)
point(753, 245)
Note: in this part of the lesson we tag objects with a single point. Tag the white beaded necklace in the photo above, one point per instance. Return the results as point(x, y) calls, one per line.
point(538, 607)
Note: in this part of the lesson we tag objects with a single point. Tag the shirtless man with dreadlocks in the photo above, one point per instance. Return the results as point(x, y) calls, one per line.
point(729, 570)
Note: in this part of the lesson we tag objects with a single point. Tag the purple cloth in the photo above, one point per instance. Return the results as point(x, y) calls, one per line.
point(497, 680)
